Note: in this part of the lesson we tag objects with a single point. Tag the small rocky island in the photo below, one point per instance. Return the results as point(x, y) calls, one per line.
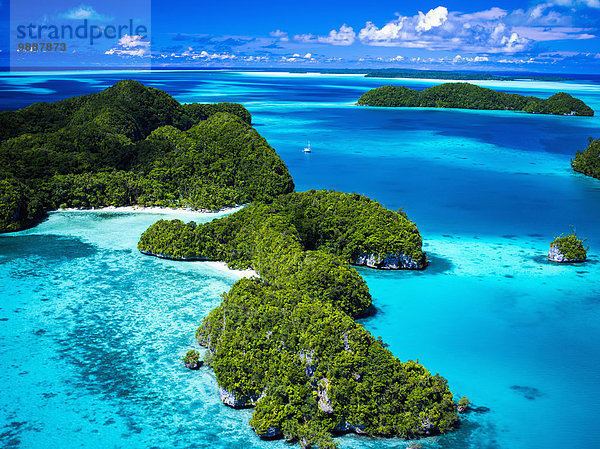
point(567, 249)
point(470, 96)
point(287, 343)
point(192, 360)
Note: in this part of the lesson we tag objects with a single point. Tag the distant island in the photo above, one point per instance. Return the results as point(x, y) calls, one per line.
point(470, 96)
point(588, 160)
point(127, 145)
point(287, 344)
point(443, 75)
point(430, 74)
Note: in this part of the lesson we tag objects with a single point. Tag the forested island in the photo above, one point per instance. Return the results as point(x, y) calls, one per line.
point(287, 343)
point(349, 226)
point(470, 96)
point(567, 249)
point(588, 160)
point(127, 145)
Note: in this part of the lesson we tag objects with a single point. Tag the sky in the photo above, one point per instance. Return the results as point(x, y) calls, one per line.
point(540, 35)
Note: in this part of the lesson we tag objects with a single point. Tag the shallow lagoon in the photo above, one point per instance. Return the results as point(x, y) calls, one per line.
point(91, 331)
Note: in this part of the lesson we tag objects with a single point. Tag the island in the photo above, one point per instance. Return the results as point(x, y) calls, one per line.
point(470, 96)
point(567, 249)
point(192, 360)
point(588, 160)
point(287, 343)
point(427, 74)
point(131, 145)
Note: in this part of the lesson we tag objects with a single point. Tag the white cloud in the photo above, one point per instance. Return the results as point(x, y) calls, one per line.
point(128, 41)
point(576, 3)
point(486, 15)
point(130, 46)
point(210, 56)
point(296, 57)
point(192, 55)
point(344, 36)
point(539, 15)
point(460, 59)
point(433, 19)
point(371, 34)
point(543, 34)
point(439, 29)
point(305, 38)
point(281, 35)
point(83, 12)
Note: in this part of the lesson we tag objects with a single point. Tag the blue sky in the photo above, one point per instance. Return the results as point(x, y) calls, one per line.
point(543, 35)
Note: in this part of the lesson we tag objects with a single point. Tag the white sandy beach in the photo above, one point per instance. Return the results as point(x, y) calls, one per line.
point(222, 266)
point(153, 210)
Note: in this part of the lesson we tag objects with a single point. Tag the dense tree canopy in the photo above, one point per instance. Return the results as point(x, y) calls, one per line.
point(342, 224)
point(131, 144)
point(588, 160)
point(287, 342)
point(469, 96)
point(570, 247)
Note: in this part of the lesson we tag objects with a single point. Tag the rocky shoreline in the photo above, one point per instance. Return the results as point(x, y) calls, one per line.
point(392, 261)
point(556, 255)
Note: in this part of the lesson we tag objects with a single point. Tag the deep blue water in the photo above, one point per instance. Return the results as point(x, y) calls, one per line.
point(91, 332)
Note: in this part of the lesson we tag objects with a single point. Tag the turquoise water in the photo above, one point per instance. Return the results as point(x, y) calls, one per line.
point(91, 332)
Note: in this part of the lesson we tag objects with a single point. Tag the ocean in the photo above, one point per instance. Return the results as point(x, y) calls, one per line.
point(92, 332)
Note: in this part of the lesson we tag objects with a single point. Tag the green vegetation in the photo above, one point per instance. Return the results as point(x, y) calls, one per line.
point(463, 404)
point(192, 360)
point(131, 144)
point(469, 96)
point(588, 160)
point(287, 343)
point(339, 224)
point(568, 248)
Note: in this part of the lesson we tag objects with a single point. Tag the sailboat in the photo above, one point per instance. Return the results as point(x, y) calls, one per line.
point(307, 149)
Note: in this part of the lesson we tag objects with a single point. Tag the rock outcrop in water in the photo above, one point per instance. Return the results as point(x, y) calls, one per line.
point(556, 255)
point(236, 400)
point(192, 360)
point(567, 249)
